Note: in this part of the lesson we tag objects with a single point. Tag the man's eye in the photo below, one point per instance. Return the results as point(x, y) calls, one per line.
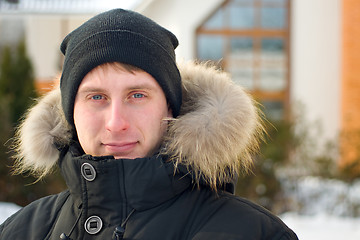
point(138, 95)
point(97, 97)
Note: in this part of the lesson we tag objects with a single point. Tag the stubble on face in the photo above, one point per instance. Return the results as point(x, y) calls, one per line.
point(120, 113)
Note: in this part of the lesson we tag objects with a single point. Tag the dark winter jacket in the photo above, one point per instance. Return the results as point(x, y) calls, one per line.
point(184, 192)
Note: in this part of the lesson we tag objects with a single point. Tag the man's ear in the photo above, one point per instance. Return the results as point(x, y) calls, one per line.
point(170, 114)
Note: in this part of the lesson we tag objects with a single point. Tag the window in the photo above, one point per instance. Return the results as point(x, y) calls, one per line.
point(250, 39)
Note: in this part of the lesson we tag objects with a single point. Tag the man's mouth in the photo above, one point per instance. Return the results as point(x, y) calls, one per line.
point(119, 149)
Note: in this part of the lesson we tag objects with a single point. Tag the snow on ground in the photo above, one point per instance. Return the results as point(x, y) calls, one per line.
point(325, 208)
point(317, 196)
point(318, 227)
point(323, 227)
point(6, 210)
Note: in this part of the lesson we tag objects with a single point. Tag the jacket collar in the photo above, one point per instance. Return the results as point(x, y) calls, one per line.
point(105, 182)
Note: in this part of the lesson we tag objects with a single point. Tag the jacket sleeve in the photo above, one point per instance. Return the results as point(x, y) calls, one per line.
point(239, 218)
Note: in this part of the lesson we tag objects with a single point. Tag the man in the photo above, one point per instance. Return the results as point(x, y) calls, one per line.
point(146, 154)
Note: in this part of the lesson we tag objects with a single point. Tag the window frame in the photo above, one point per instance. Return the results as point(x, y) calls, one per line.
point(257, 34)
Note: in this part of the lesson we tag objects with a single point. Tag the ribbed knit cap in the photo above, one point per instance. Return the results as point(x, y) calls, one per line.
point(120, 36)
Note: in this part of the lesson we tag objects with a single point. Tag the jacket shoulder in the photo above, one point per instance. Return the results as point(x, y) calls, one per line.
point(35, 220)
point(233, 217)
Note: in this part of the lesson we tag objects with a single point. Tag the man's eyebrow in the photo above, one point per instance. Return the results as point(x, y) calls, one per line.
point(142, 86)
point(89, 89)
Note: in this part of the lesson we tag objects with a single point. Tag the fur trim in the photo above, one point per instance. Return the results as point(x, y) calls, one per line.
point(214, 136)
point(38, 137)
point(218, 128)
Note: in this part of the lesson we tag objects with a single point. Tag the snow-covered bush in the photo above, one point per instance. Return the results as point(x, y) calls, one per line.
point(315, 195)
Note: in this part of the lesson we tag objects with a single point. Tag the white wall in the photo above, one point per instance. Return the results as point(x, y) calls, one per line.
point(44, 34)
point(316, 61)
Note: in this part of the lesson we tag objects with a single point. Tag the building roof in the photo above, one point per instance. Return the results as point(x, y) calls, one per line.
point(64, 6)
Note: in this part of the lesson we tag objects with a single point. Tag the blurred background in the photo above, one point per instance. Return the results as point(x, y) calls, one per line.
point(298, 58)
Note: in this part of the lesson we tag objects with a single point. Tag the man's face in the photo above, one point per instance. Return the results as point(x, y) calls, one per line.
point(120, 113)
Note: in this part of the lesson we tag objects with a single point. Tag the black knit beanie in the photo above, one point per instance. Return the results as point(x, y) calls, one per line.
point(120, 36)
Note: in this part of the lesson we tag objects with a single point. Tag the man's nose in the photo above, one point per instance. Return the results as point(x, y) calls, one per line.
point(117, 119)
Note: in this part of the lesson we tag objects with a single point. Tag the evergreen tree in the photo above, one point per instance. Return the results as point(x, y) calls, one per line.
point(17, 92)
point(16, 81)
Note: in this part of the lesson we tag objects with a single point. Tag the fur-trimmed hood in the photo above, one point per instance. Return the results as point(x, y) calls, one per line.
point(214, 135)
